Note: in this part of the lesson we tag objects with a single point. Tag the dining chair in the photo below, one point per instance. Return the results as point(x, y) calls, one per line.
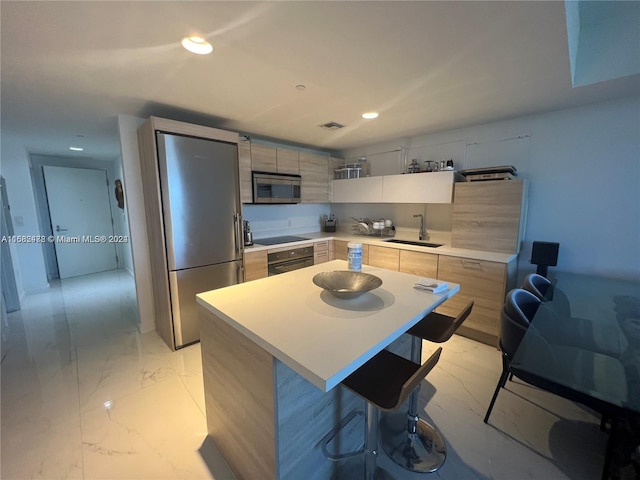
point(562, 328)
point(569, 372)
point(542, 288)
point(517, 312)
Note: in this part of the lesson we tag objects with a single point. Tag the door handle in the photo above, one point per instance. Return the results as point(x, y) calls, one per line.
point(58, 229)
point(237, 224)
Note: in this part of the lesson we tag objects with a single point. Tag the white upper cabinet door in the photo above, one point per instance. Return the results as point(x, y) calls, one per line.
point(433, 187)
point(358, 190)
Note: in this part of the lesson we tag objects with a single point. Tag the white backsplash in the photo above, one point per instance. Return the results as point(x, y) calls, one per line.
point(437, 217)
point(275, 220)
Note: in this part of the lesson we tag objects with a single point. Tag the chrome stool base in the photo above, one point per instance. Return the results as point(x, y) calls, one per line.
point(423, 451)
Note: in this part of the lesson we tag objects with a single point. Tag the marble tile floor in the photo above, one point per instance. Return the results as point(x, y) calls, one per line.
point(85, 396)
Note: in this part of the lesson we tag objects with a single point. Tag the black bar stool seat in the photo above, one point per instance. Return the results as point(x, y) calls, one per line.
point(410, 441)
point(384, 382)
point(439, 328)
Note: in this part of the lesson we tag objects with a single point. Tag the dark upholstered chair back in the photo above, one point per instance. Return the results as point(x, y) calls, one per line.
point(536, 284)
point(542, 288)
point(519, 308)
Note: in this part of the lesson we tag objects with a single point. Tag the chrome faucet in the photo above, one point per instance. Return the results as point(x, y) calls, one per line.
point(422, 234)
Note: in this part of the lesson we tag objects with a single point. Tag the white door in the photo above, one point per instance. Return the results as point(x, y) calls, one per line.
point(81, 220)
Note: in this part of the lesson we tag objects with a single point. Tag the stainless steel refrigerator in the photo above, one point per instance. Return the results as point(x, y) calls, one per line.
point(200, 202)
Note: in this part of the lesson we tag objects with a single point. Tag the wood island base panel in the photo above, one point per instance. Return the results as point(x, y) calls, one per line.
point(266, 420)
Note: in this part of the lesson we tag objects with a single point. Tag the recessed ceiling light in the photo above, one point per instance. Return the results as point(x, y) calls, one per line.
point(370, 115)
point(76, 149)
point(197, 45)
point(300, 87)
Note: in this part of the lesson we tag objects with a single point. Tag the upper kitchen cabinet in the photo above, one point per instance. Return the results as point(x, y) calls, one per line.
point(244, 164)
point(287, 161)
point(314, 170)
point(263, 158)
point(436, 187)
point(358, 190)
point(489, 215)
point(433, 187)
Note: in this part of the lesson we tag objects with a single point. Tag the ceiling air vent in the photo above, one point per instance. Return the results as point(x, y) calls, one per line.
point(332, 126)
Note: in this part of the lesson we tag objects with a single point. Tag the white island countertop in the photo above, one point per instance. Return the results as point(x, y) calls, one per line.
point(321, 337)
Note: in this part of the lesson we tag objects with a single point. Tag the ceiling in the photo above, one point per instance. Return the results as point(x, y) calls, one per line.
point(69, 68)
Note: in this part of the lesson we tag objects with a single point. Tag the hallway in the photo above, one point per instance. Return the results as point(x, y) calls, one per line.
point(84, 395)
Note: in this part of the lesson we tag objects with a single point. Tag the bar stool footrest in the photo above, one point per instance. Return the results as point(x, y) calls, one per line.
point(336, 457)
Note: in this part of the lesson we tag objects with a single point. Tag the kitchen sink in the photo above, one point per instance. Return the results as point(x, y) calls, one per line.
point(412, 242)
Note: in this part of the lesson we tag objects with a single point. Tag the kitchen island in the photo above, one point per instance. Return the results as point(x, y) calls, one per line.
point(274, 352)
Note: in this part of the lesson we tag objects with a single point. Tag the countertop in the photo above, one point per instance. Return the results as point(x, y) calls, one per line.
point(445, 249)
point(321, 337)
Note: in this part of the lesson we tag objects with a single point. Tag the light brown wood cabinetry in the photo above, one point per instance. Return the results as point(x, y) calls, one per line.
point(314, 170)
point(287, 161)
point(340, 251)
point(486, 283)
point(384, 257)
point(321, 252)
point(244, 164)
point(488, 215)
point(263, 158)
point(255, 265)
point(418, 263)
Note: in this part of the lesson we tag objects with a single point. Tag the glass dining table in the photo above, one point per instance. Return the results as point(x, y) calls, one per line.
point(583, 343)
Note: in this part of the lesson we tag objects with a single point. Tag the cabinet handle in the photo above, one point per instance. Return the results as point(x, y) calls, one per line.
point(474, 264)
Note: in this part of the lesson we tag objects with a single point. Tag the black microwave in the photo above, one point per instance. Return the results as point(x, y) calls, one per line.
point(276, 187)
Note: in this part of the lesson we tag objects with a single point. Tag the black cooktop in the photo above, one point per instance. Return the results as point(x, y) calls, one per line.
point(277, 240)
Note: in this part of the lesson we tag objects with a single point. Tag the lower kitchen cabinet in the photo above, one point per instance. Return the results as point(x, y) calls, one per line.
point(255, 265)
point(340, 251)
point(384, 257)
point(418, 263)
point(321, 252)
point(486, 283)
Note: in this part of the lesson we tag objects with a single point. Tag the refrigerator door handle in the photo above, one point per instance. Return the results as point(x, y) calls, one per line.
point(237, 224)
point(240, 272)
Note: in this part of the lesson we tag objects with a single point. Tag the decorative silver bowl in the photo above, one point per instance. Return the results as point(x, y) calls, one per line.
point(346, 284)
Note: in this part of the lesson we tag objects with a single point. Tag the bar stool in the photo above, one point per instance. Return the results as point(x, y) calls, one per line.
point(408, 440)
point(384, 382)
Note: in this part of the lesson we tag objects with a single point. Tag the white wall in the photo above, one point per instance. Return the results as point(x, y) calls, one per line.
point(29, 264)
point(583, 167)
point(121, 221)
point(132, 182)
point(113, 170)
